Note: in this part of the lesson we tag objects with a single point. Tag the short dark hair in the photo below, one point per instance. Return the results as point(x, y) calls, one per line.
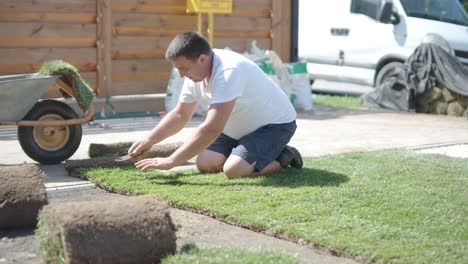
point(189, 44)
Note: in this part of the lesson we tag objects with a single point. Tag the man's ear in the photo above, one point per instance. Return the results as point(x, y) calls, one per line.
point(203, 58)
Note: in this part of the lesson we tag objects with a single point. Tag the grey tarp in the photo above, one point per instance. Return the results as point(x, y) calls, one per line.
point(428, 64)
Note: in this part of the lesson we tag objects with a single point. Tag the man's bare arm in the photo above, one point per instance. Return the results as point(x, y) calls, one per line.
point(205, 134)
point(173, 122)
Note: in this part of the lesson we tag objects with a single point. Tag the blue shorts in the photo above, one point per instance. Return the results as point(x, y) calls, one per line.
point(262, 146)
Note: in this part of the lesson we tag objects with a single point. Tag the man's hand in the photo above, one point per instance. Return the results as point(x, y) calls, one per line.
point(155, 163)
point(139, 147)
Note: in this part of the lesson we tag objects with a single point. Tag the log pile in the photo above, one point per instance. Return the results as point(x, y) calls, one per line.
point(440, 100)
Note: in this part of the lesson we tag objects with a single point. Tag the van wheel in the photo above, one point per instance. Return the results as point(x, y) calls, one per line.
point(385, 72)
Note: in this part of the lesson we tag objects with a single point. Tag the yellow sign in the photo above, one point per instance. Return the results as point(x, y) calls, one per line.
point(209, 6)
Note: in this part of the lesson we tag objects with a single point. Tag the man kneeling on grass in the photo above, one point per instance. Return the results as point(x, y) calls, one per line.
point(249, 121)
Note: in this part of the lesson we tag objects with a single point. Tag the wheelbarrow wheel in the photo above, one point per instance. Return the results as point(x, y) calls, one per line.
point(50, 144)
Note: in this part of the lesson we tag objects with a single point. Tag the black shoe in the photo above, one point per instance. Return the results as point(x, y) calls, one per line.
point(290, 156)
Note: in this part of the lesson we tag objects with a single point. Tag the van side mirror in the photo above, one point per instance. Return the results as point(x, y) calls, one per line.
point(387, 15)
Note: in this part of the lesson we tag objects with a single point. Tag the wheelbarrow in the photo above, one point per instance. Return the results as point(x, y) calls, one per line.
point(49, 131)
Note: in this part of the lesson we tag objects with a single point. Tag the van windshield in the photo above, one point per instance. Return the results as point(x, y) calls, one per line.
point(449, 11)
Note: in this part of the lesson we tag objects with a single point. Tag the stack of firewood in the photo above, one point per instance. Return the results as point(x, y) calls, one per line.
point(440, 100)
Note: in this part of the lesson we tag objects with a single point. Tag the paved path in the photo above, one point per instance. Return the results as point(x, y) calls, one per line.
point(326, 131)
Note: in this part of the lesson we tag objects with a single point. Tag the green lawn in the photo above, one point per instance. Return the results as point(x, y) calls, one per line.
point(389, 206)
point(207, 255)
point(338, 101)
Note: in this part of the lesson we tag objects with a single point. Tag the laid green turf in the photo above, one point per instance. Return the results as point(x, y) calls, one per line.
point(390, 206)
point(338, 101)
point(207, 255)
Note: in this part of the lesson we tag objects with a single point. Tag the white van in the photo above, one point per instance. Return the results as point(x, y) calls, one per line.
point(359, 40)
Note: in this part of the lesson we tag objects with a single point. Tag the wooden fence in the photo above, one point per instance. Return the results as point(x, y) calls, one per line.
point(118, 46)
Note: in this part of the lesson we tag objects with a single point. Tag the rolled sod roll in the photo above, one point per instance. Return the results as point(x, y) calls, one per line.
point(22, 195)
point(121, 148)
point(157, 150)
point(134, 229)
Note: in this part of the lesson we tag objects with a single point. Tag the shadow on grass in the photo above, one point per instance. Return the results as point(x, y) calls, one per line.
point(304, 177)
point(290, 178)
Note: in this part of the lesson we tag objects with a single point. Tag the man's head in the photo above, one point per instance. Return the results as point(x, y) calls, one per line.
point(191, 54)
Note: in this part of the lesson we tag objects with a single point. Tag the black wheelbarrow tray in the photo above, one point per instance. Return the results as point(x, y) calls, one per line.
point(49, 131)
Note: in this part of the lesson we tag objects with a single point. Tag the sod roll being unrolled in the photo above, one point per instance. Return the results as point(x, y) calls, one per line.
point(118, 148)
point(157, 150)
point(134, 229)
point(22, 194)
point(121, 148)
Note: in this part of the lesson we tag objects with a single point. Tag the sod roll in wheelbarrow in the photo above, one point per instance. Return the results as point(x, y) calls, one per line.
point(134, 229)
point(22, 194)
point(83, 94)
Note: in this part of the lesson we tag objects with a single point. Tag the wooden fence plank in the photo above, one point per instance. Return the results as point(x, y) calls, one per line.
point(240, 23)
point(47, 42)
point(138, 54)
point(154, 20)
point(36, 30)
point(90, 77)
point(31, 55)
point(252, 34)
point(241, 44)
point(140, 42)
point(249, 12)
point(142, 31)
point(88, 6)
point(140, 76)
point(21, 16)
point(259, 4)
point(104, 47)
point(10, 68)
point(145, 7)
point(281, 28)
point(140, 65)
point(140, 87)
point(156, 2)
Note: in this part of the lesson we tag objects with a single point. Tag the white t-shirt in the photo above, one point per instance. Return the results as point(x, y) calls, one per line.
point(259, 100)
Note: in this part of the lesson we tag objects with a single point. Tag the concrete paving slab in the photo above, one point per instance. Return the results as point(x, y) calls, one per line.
point(455, 151)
